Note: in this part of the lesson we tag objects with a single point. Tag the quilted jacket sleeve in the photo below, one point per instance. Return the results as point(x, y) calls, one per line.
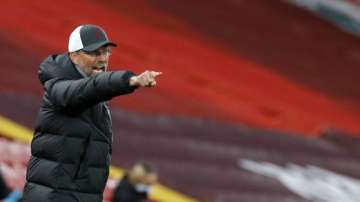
point(83, 93)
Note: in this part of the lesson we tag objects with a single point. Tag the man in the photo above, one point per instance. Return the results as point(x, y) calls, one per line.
point(4, 189)
point(6, 195)
point(136, 185)
point(72, 143)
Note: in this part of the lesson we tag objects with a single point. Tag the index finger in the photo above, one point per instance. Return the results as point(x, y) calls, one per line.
point(155, 74)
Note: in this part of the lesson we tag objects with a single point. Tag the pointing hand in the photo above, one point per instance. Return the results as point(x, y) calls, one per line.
point(145, 79)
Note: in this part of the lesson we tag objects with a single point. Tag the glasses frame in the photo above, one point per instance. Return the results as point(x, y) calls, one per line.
point(99, 52)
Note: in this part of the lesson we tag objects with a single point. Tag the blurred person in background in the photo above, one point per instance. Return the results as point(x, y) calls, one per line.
point(6, 195)
point(72, 143)
point(136, 185)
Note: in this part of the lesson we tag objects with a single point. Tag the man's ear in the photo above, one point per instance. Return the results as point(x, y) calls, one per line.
point(74, 56)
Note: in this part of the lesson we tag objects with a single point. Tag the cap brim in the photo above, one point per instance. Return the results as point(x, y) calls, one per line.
point(95, 46)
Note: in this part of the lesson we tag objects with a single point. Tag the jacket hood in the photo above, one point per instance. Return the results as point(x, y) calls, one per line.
point(58, 66)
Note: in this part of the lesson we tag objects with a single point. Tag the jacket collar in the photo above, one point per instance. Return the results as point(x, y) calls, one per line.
point(58, 66)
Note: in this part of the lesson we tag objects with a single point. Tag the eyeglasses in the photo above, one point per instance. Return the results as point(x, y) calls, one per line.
point(98, 52)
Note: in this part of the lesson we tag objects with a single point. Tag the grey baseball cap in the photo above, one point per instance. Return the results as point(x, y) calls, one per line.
point(88, 38)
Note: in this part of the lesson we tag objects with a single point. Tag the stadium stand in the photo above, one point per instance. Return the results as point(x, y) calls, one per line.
point(205, 164)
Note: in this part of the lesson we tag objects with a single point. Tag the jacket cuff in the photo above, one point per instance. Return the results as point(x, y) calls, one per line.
point(120, 80)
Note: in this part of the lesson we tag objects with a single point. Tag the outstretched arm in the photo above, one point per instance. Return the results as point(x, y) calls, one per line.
point(76, 95)
point(83, 93)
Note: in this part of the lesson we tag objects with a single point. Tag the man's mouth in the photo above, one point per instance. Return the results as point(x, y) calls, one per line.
point(98, 69)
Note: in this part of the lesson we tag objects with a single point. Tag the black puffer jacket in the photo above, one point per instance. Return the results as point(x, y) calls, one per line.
point(71, 147)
